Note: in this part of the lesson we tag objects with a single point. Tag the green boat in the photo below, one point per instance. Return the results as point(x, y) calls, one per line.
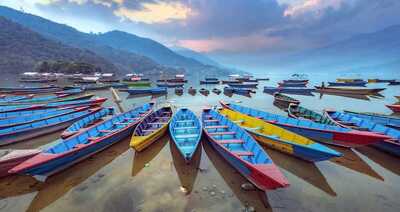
point(298, 112)
point(137, 83)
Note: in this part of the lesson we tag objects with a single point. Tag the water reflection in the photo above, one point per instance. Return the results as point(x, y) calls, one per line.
point(306, 171)
point(141, 159)
point(384, 159)
point(256, 198)
point(59, 184)
point(352, 161)
point(17, 185)
point(187, 173)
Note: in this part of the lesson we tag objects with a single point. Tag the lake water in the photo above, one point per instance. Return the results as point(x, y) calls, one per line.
point(118, 179)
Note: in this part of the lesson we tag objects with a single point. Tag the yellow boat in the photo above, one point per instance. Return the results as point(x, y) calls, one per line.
point(280, 139)
point(151, 128)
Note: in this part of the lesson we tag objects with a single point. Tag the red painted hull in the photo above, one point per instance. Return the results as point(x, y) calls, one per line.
point(394, 108)
point(14, 158)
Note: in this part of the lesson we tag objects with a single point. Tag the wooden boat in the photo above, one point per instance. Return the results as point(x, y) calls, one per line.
point(292, 84)
point(391, 144)
point(179, 91)
point(262, 79)
point(394, 83)
point(246, 80)
point(119, 85)
point(348, 80)
point(350, 84)
point(170, 85)
point(243, 85)
point(380, 80)
point(216, 91)
point(135, 91)
point(242, 152)
point(398, 98)
point(204, 91)
point(283, 101)
point(151, 128)
point(192, 91)
point(288, 90)
point(185, 130)
point(211, 79)
point(48, 99)
point(65, 153)
point(394, 108)
point(137, 83)
point(281, 139)
point(329, 134)
point(14, 108)
point(12, 122)
point(29, 90)
point(26, 113)
point(46, 80)
point(70, 90)
point(86, 122)
point(209, 82)
point(94, 87)
point(296, 81)
point(298, 112)
point(242, 91)
point(386, 120)
point(231, 82)
point(357, 91)
point(23, 132)
point(11, 158)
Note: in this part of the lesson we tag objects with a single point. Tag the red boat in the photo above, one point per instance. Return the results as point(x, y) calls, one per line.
point(12, 158)
point(394, 108)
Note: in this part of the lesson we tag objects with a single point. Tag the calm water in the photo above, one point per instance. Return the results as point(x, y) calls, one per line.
point(118, 179)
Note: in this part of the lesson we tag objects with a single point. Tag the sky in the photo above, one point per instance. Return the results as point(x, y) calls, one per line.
point(235, 32)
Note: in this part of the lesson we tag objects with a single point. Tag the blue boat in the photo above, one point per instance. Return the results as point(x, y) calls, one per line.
point(119, 85)
point(4, 98)
point(65, 153)
point(23, 132)
point(354, 83)
point(288, 90)
point(388, 121)
point(209, 82)
point(243, 91)
point(391, 145)
point(71, 90)
point(13, 108)
point(185, 130)
point(4, 123)
point(293, 84)
point(241, 151)
point(47, 99)
point(170, 85)
point(243, 85)
point(23, 113)
point(86, 122)
point(136, 91)
point(329, 134)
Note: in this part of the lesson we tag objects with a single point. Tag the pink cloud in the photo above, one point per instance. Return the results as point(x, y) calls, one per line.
point(312, 6)
point(249, 43)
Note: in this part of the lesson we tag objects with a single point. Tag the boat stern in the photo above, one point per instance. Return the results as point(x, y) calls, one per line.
point(268, 177)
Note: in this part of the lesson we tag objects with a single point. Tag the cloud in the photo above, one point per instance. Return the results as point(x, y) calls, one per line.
point(155, 12)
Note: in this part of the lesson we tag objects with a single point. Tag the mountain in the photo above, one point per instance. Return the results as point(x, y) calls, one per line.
point(22, 49)
point(125, 61)
point(196, 56)
point(358, 52)
point(126, 50)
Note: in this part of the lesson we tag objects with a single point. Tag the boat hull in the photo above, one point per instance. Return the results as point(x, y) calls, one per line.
point(298, 151)
point(263, 183)
point(7, 163)
point(365, 91)
point(391, 147)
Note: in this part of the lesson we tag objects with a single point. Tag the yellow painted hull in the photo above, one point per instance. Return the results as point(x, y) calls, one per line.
point(140, 143)
point(262, 130)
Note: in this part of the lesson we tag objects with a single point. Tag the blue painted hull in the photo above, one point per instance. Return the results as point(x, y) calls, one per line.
point(54, 166)
point(356, 84)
